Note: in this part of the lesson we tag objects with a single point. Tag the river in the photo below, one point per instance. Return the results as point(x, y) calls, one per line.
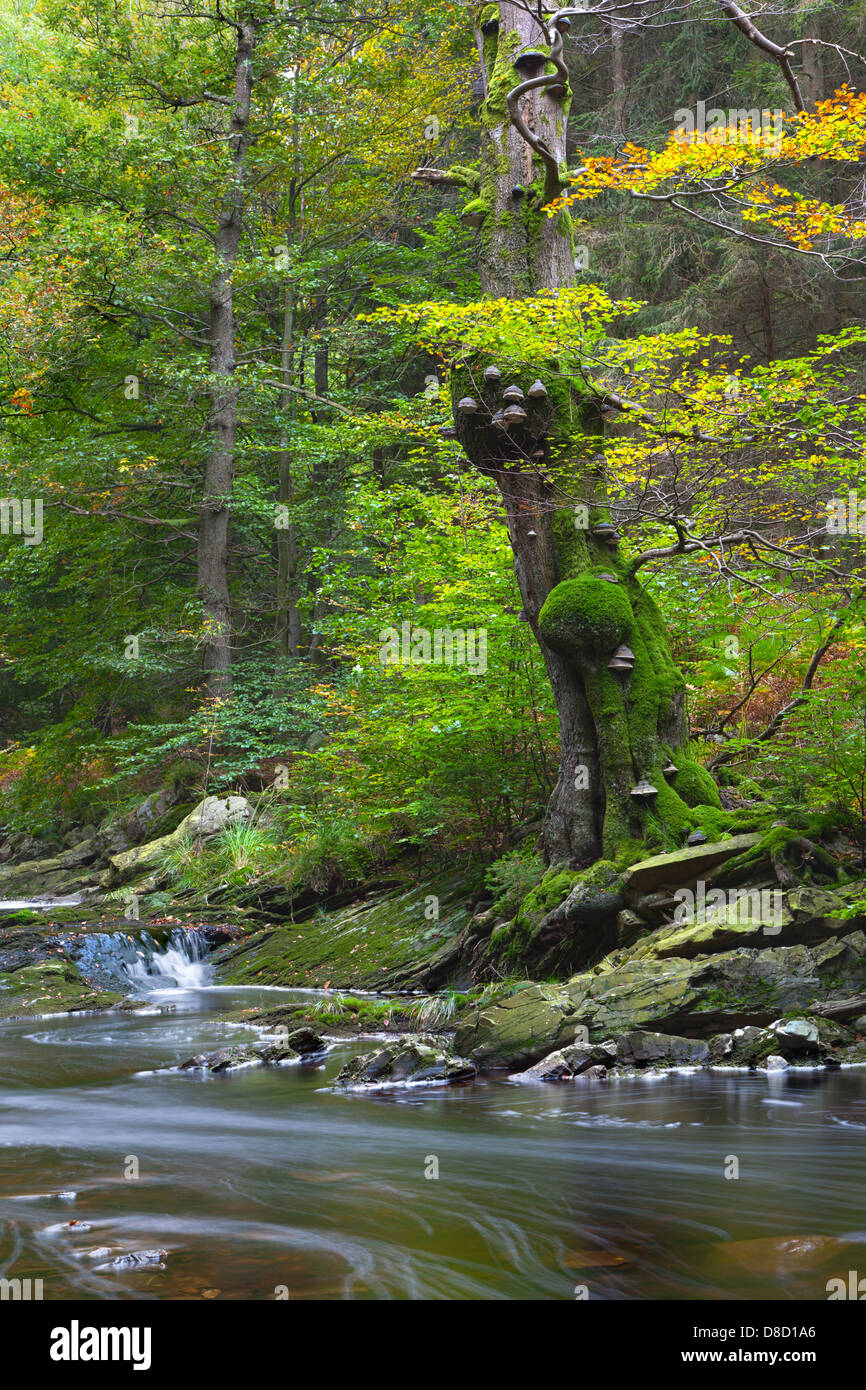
point(267, 1183)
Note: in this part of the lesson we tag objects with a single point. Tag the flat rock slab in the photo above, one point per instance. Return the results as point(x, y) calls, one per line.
point(683, 866)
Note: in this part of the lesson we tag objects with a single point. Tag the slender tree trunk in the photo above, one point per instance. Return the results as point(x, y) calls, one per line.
point(617, 53)
point(287, 626)
point(617, 727)
point(812, 78)
point(213, 586)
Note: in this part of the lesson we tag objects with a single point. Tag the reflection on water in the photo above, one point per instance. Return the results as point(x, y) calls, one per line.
point(267, 1180)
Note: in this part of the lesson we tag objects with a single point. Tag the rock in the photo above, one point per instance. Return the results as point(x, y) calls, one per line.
point(797, 1035)
point(682, 867)
point(639, 1049)
point(570, 1062)
point(693, 998)
point(657, 909)
point(629, 927)
point(749, 917)
point(140, 1259)
point(269, 1052)
point(406, 1060)
point(773, 1063)
point(204, 822)
point(140, 822)
point(593, 1074)
point(306, 1041)
point(213, 815)
point(721, 1047)
point(520, 1029)
point(751, 1045)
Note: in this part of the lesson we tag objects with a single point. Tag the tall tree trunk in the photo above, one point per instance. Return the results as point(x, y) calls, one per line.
point(812, 77)
point(617, 727)
point(213, 586)
point(287, 624)
point(617, 53)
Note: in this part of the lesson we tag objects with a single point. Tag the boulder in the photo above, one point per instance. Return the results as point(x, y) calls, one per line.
point(750, 1045)
point(797, 1035)
point(629, 927)
point(520, 1029)
point(640, 1049)
point(407, 1060)
point(569, 1062)
point(204, 822)
point(773, 1063)
point(691, 998)
point(721, 1046)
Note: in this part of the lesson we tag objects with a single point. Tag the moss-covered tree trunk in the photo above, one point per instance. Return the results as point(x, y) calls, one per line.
point(543, 447)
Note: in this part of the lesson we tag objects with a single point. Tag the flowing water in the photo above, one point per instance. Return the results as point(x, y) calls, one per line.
point(266, 1183)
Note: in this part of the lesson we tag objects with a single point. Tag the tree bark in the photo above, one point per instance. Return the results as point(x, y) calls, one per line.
point(617, 727)
point(213, 585)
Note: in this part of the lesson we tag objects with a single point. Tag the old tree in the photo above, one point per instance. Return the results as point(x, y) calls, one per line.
point(534, 424)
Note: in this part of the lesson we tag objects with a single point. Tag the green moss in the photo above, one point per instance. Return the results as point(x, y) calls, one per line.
point(585, 618)
point(553, 889)
point(50, 987)
point(692, 783)
point(478, 207)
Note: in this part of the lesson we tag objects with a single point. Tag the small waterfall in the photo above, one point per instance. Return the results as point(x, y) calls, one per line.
point(178, 964)
point(118, 960)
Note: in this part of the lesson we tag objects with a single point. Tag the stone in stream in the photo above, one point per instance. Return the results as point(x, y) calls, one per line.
point(138, 1259)
point(406, 1060)
point(640, 1049)
point(300, 1045)
point(570, 1062)
point(773, 1063)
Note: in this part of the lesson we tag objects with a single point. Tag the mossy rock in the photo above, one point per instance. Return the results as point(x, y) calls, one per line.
point(50, 987)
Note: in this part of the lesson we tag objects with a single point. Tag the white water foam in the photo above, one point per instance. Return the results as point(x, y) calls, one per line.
point(179, 965)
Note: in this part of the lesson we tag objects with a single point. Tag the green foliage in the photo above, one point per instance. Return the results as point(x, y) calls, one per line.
point(512, 876)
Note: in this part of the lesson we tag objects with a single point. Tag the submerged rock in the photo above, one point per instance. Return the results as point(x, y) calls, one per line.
point(406, 1060)
point(139, 1259)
